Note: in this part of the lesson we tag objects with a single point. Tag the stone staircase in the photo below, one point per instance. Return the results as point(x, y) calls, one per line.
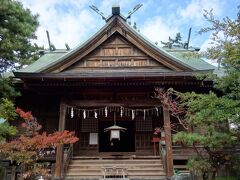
point(142, 167)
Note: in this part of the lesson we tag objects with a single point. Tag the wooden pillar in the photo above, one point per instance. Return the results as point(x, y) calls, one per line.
point(59, 153)
point(168, 141)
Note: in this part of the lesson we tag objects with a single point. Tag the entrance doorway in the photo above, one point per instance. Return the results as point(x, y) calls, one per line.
point(127, 138)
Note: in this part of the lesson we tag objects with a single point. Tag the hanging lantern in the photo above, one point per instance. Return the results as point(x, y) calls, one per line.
point(114, 131)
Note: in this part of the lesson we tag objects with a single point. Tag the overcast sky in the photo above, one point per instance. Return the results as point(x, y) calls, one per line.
point(73, 22)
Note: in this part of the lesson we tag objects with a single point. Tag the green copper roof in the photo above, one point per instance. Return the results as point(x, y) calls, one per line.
point(52, 58)
point(195, 62)
point(43, 61)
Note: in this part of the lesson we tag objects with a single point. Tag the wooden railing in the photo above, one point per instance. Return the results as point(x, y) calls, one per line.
point(67, 158)
point(179, 153)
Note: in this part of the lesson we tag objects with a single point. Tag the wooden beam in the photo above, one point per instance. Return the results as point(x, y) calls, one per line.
point(102, 103)
point(168, 140)
point(59, 154)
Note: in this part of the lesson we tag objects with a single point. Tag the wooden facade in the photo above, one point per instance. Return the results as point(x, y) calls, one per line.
point(116, 68)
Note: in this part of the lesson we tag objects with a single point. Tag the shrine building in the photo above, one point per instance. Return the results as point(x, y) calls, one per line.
point(104, 91)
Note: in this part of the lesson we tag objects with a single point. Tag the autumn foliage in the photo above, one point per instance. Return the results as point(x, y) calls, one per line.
point(27, 116)
point(31, 145)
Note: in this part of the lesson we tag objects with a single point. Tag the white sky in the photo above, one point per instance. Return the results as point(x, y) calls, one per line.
point(73, 22)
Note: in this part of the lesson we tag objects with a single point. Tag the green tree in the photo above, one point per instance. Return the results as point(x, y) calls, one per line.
point(210, 115)
point(7, 109)
point(216, 119)
point(7, 114)
point(17, 28)
point(7, 89)
point(226, 50)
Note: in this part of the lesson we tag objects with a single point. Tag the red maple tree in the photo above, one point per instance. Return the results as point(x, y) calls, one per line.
point(31, 145)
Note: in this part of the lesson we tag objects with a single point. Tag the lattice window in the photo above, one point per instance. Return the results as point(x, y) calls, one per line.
point(143, 141)
point(89, 125)
point(84, 140)
point(144, 125)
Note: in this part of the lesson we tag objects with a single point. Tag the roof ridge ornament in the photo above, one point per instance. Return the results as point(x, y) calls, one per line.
point(98, 12)
point(138, 6)
point(116, 11)
point(176, 43)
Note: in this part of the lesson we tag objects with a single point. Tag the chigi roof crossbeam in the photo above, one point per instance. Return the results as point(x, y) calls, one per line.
point(116, 11)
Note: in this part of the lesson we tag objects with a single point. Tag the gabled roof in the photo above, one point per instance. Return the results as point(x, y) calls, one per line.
point(57, 61)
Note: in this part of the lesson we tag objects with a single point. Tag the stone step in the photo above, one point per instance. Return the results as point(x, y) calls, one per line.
point(138, 168)
point(146, 173)
point(89, 166)
point(115, 157)
point(147, 177)
point(82, 178)
point(68, 176)
point(130, 178)
point(99, 174)
point(158, 161)
point(137, 160)
point(128, 170)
